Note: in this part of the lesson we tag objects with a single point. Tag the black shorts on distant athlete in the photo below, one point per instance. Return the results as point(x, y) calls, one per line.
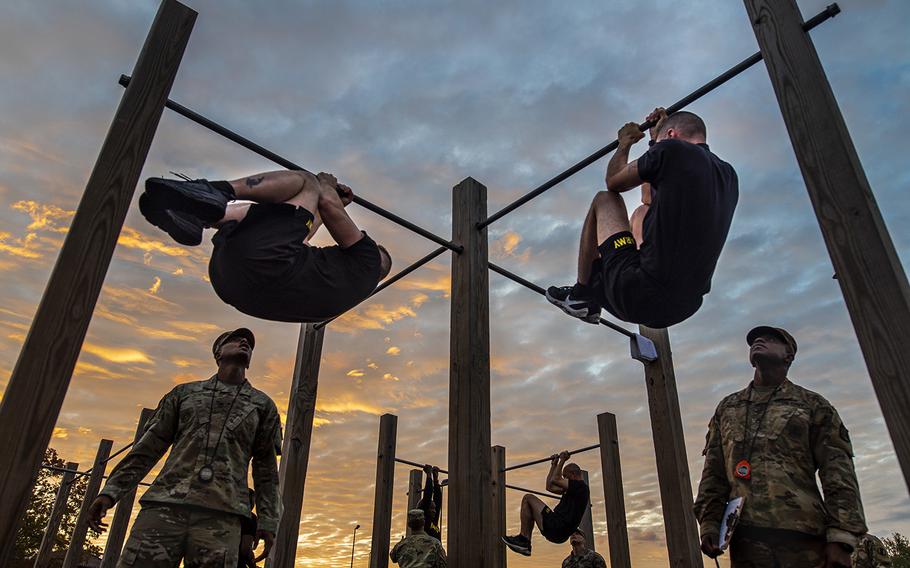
point(622, 288)
point(262, 267)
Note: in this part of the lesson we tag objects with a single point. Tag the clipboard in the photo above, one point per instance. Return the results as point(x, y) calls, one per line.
point(730, 520)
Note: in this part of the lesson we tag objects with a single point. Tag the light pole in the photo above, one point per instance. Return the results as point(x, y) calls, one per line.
point(353, 542)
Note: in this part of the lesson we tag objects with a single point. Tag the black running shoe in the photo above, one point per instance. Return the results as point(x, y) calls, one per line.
point(583, 309)
point(182, 227)
point(197, 197)
point(519, 544)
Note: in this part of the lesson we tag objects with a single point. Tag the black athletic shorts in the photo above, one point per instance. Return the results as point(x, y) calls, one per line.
point(262, 267)
point(555, 528)
point(627, 292)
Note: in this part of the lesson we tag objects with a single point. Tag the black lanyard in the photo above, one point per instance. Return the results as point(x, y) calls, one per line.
point(208, 434)
point(760, 419)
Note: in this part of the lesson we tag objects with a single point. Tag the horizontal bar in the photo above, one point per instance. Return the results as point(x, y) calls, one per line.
point(531, 286)
point(826, 14)
point(542, 460)
point(284, 162)
point(415, 464)
point(533, 492)
point(81, 473)
point(389, 281)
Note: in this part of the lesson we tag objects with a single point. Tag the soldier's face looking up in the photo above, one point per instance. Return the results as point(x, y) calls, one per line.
point(235, 350)
point(769, 349)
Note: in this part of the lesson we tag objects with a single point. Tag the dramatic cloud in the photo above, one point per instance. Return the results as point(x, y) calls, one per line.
point(403, 100)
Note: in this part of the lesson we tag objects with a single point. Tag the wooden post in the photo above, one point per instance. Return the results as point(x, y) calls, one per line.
point(116, 532)
point(470, 522)
point(498, 548)
point(43, 558)
point(385, 484)
point(868, 269)
point(614, 504)
point(74, 553)
point(295, 453)
point(587, 521)
point(415, 486)
point(670, 452)
point(42, 373)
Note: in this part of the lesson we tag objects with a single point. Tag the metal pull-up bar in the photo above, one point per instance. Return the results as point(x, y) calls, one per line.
point(285, 163)
point(389, 281)
point(542, 460)
point(642, 349)
point(415, 464)
point(533, 491)
point(826, 14)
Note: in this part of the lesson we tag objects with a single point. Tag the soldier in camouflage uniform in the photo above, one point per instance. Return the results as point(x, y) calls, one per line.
point(582, 556)
point(213, 428)
point(766, 443)
point(871, 553)
point(419, 550)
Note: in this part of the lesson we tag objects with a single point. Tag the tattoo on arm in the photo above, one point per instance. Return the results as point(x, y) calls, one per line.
point(254, 181)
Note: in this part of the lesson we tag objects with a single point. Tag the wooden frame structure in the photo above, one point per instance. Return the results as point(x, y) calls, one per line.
point(873, 282)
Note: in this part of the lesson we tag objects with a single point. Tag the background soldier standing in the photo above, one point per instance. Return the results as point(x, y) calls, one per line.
point(419, 550)
point(582, 556)
point(766, 443)
point(193, 510)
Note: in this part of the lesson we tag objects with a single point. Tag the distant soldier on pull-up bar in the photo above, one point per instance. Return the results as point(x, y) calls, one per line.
point(262, 263)
point(655, 268)
point(555, 525)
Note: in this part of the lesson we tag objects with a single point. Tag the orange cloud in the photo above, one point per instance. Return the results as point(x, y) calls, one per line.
point(393, 351)
point(116, 354)
point(22, 248)
point(355, 373)
point(346, 406)
point(156, 286)
point(60, 433)
point(44, 217)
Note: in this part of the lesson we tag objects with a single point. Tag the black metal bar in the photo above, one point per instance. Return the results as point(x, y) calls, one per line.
point(415, 464)
point(81, 473)
point(542, 460)
point(531, 286)
point(109, 458)
point(284, 162)
point(826, 14)
point(533, 492)
point(389, 281)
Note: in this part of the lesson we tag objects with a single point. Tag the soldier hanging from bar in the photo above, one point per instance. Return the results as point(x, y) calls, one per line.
point(263, 263)
point(654, 268)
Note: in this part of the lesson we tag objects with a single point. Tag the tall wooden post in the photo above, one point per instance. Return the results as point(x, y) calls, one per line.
point(868, 269)
point(498, 459)
point(385, 484)
point(670, 451)
point(41, 377)
point(587, 521)
point(614, 504)
point(43, 558)
point(116, 532)
point(295, 453)
point(74, 553)
point(415, 486)
point(470, 523)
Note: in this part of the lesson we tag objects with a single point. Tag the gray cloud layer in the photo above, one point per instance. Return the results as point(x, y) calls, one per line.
point(403, 99)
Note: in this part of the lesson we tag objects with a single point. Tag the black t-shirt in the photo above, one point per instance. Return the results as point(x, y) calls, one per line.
point(573, 503)
point(694, 194)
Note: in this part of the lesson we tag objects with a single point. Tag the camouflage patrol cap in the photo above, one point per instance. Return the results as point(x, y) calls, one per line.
point(778, 332)
point(415, 516)
point(239, 332)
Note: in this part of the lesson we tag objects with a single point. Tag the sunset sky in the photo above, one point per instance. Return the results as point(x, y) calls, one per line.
point(402, 100)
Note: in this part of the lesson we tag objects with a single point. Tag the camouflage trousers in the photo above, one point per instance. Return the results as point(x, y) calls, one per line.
point(163, 535)
point(749, 553)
